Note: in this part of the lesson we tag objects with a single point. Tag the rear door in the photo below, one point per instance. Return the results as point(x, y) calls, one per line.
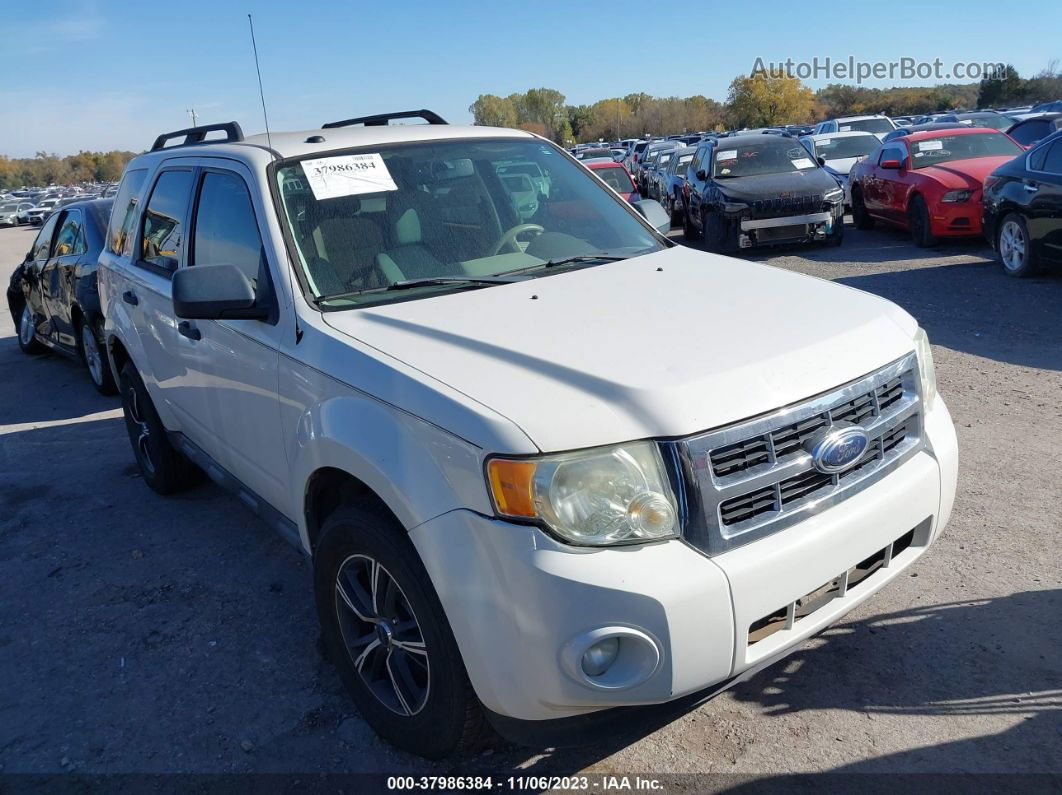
point(60, 273)
point(1045, 205)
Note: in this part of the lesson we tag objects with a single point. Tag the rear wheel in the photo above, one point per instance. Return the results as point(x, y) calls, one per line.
point(99, 369)
point(163, 468)
point(1013, 247)
point(386, 632)
point(918, 223)
point(26, 339)
point(860, 217)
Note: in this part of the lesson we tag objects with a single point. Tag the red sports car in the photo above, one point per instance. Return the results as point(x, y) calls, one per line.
point(616, 176)
point(930, 183)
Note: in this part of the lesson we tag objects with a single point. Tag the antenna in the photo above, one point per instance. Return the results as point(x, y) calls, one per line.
point(191, 112)
point(261, 93)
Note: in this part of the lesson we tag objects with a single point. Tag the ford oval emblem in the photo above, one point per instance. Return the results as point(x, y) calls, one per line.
point(837, 448)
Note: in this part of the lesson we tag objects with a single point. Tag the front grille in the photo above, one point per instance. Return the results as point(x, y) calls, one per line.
point(756, 478)
point(790, 205)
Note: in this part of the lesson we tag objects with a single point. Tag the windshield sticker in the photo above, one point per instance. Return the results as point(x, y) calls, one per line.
point(347, 175)
point(823, 142)
point(802, 162)
point(726, 154)
point(846, 128)
point(930, 146)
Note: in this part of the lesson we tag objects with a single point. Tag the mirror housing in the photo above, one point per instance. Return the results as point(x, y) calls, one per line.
point(701, 174)
point(215, 292)
point(821, 160)
point(656, 215)
point(893, 165)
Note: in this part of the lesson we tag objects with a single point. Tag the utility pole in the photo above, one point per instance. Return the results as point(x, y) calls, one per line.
point(191, 112)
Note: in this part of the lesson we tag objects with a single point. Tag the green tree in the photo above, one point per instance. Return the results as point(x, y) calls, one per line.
point(761, 100)
point(1007, 88)
point(492, 111)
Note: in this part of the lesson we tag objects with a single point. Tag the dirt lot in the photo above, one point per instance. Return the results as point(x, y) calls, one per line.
point(143, 634)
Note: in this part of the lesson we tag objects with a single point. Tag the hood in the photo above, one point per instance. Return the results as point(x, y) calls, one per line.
point(661, 345)
point(964, 173)
point(770, 186)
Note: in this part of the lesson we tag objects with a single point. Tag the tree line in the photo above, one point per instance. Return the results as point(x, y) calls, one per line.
point(50, 169)
point(760, 100)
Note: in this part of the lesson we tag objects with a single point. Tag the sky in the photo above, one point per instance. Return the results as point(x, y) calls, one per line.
point(111, 74)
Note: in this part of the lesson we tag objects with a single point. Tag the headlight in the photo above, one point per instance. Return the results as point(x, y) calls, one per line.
point(926, 370)
point(596, 497)
point(956, 196)
point(834, 195)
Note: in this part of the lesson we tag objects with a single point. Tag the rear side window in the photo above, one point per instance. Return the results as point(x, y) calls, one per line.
point(71, 239)
point(42, 247)
point(1053, 161)
point(226, 232)
point(164, 220)
point(120, 229)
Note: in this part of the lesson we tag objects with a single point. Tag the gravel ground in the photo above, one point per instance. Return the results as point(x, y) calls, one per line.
point(151, 635)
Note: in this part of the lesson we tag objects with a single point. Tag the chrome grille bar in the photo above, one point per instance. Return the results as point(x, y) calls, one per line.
point(741, 484)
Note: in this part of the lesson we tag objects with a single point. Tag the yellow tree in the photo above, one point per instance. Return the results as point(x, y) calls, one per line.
point(761, 100)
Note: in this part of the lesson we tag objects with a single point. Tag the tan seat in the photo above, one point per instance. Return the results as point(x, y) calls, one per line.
point(350, 244)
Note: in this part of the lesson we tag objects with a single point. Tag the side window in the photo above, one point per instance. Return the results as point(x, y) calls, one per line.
point(892, 153)
point(1053, 161)
point(42, 246)
point(120, 229)
point(698, 159)
point(226, 232)
point(71, 239)
point(1037, 157)
point(162, 238)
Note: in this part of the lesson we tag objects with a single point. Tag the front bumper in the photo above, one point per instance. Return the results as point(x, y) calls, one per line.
point(803, 227)
point(947, 219)
point(517, 599)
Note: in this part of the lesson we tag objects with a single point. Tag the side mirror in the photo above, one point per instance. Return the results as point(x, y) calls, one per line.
point(656, 215)
point(214, 292)
point(893, 165)
point(822, 160)
point(701, 174)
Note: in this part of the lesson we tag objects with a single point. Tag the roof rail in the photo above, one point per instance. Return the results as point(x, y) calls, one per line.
point(197, 135)
point(382, 119)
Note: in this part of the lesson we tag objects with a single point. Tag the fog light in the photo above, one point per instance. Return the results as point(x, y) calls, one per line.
point(599, 657)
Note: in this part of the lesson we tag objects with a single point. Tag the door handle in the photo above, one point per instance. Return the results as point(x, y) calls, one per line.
point(186, 329)
point(130, 297)
point(1031, 188)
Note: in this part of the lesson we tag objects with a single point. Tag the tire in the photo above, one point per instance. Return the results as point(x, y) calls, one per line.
point(860, 217)
point(1014, 249)
point(719, 236)
point(689, 231)
point(836, 236)
point(27, 342)
point(95, 360)
point(918, 223)
point(420, 701)
point(163, 468)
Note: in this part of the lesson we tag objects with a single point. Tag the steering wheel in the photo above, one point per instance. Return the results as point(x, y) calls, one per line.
point(509, 237)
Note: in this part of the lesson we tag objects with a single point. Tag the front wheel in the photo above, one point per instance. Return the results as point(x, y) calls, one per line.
point(1013, 247)
point(836, 235)
point(860, 217)
point(27, 341)
point(918, 223)
point(720, 236)
point(386, 632)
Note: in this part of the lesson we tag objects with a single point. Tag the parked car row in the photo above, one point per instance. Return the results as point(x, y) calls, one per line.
point(34, 206)
point(411, 350)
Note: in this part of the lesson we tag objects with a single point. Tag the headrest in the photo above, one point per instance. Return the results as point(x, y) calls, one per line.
point(407, 228)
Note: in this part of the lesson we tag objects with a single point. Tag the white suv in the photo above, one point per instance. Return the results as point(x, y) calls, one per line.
point(878, 125)
point(546, 464)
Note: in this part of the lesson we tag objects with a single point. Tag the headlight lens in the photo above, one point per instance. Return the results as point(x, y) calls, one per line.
point(597, 497)
point(956, 196)
point(834, 195)
point(926, 371)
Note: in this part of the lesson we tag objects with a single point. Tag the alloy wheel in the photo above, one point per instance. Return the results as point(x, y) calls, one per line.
point(1012, 246)
point(381, 635)
point(25, 326)
point(136, 414)
point(93, 359)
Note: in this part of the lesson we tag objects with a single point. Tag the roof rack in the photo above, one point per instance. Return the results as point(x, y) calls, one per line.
point(197, 135)
point(382, 119)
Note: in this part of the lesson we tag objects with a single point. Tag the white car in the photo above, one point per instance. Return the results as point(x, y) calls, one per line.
point(543, 467)
point(840, 151)
point(38, 214)
point(14, 212)
point(878, 125)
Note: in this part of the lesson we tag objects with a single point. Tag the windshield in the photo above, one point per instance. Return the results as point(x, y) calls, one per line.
point(617, 178)
point(8, 208)
point(935, 151)
point(587, 154)
point(769, 155)
point(848, 146)
point(865, 125)
point(993, 121)
point(369, 219)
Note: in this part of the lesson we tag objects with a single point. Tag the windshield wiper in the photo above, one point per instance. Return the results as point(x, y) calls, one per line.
point(573, 260)
point(406, 284)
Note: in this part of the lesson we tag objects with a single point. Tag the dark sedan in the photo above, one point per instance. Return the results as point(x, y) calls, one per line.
point(1023, 209)
point(52, 294)
point(1028, 131)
